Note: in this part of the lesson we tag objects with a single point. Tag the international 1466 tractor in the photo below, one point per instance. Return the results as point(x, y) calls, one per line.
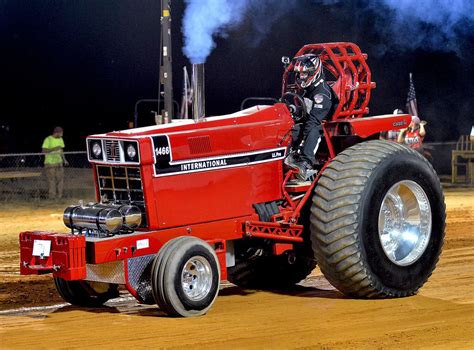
point(181, 207)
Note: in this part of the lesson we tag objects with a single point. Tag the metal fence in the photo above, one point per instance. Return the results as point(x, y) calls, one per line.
point(23, 177)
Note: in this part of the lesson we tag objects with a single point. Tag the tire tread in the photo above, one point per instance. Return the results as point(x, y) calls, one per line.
point(335, 217)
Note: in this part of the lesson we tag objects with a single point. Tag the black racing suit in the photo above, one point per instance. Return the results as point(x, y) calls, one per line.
point(318, 99)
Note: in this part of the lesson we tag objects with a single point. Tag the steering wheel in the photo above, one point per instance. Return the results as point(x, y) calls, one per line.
point(295, 104)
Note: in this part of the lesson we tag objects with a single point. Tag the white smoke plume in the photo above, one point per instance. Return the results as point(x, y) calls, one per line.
point(204, 20)
point(406, 24)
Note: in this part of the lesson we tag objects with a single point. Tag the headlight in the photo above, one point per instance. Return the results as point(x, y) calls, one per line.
point(96, 149)
point(131, 151)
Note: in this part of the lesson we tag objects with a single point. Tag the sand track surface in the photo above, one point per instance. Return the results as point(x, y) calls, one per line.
point(313, 315)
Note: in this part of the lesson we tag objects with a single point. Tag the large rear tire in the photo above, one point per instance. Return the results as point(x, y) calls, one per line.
point(185, 277)
point(85, 293)
point(378, 220)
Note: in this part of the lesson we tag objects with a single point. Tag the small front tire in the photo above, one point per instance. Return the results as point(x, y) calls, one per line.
point(185, 277)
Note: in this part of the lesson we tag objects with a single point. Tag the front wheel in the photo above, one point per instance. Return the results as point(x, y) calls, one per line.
point(185, 277)
point(378, 220)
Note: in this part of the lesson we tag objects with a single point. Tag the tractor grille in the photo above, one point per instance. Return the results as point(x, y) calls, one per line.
point(122, 185)
point(112, 150)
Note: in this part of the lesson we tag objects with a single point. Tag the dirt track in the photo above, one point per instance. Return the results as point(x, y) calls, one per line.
point(313, 315)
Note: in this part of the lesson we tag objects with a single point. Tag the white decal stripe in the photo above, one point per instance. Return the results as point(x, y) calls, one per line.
point(232, 155)
point(221, 167)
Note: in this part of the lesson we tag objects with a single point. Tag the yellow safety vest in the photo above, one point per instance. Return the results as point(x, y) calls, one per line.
point(56, 156)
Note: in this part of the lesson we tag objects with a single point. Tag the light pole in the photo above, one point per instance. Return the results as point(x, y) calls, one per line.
point(166, 72)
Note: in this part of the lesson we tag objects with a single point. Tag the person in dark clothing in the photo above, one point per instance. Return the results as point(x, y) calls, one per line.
point(318, 99)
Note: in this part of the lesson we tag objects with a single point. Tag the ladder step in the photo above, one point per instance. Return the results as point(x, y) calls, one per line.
point(294, 186)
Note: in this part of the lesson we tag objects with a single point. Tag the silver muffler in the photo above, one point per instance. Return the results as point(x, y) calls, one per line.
point(132, 215)
point(110, 218)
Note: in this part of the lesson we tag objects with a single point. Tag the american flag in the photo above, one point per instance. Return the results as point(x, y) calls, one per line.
point(411, 99)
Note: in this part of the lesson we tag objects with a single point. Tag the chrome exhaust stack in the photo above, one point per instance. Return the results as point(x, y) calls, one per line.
point(199, 103)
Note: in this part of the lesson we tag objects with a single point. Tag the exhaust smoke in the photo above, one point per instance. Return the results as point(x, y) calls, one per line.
point(439, 25)
point(206, 19)
point(403, 24)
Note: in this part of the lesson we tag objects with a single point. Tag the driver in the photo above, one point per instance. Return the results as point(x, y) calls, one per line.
point(317, 96)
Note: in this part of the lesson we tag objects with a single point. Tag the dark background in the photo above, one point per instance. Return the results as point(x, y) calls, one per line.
point(84, 64)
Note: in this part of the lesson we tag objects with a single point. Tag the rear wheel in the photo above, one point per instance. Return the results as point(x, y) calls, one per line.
point(86, 293)
point(185, 277)
point(377, 220)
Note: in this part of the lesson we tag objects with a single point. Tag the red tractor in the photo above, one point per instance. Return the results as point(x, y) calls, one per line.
point(181, 207)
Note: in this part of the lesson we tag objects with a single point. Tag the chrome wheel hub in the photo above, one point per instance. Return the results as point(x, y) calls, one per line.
point(405, 223)
point(196, 278)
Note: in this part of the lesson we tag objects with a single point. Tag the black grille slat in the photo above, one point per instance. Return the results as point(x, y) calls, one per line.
point(119, 172)
point(103, 171)
point(134, 173)
point(122, 185)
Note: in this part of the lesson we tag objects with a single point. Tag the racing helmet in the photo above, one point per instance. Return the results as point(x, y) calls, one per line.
point(308, 69)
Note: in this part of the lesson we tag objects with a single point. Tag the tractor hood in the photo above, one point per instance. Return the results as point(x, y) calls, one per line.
point(256, 132)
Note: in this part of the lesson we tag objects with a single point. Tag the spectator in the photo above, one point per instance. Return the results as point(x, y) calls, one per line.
point(391, 135)
point(54, 161)
point(415, 133)
point(472, 134)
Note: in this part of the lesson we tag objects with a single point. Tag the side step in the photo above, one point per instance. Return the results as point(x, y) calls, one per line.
point(294, 186)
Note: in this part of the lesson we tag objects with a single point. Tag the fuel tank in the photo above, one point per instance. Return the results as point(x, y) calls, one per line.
point(109, 218)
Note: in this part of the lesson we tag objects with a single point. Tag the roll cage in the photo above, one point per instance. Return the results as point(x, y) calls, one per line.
point(346, 72)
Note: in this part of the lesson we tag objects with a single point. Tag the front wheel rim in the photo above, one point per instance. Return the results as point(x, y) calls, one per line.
point(404, 223)
point(196, 278)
